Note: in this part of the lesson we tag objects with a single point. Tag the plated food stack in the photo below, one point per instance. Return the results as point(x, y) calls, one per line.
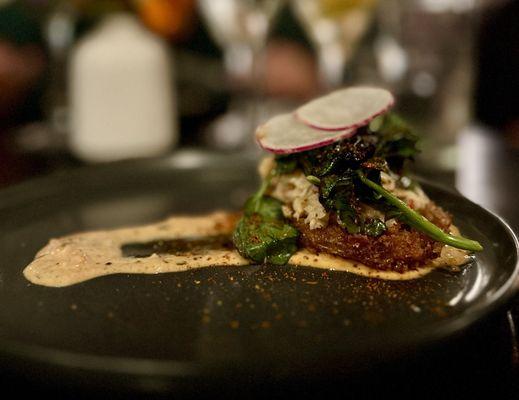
point(337, 183)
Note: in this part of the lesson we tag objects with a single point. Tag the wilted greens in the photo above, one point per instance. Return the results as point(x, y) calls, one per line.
point(262, 234)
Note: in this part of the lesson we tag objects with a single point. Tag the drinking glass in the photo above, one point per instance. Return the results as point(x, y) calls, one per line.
point(240, 28)
point(335, 28)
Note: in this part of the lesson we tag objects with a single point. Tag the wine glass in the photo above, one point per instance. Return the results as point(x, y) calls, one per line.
point(240, 28)
point(335, 28)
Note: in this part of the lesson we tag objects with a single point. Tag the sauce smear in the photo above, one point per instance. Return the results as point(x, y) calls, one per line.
point(174, 245)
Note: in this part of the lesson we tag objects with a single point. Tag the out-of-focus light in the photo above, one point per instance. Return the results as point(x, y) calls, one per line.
point(60, 32)
point(473, 169)
point(480, 283)
point(424, 84)
point(170, 18)
point(325, 31)
point(441, 6)
point(392, 59)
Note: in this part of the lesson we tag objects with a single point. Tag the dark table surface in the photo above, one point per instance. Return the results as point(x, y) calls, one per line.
point(486, 356)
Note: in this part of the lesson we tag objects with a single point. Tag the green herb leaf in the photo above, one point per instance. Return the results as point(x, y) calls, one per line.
point(374, 227)
point(285, 164)
point(262, 235)
point(331, 183)
point(269, 208)
point(397, 142)
point(346, 219)
point(313, 179)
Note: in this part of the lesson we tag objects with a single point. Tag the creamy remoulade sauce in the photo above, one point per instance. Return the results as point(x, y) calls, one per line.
point(178, 244)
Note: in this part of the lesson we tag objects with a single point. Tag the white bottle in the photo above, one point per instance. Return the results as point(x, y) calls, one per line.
point(121, 93)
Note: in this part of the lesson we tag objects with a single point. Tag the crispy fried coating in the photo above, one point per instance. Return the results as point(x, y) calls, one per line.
point(400, 248)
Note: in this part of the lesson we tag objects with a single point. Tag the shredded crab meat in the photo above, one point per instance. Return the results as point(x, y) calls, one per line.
point(414, 198)
point(301, 199)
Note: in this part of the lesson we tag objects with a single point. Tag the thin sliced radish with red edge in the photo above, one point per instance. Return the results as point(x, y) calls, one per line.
point(285, 134)
point(347, 108)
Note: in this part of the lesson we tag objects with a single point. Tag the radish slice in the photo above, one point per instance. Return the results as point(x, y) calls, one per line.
point(285, 134)
point(346, 108)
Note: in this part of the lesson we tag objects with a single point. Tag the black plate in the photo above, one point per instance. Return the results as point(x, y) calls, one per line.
point(259, 319)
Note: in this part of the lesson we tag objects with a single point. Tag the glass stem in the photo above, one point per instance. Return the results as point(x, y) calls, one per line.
point(257, 85)
point(245, 74)
point(331, 63)
point(238, 60)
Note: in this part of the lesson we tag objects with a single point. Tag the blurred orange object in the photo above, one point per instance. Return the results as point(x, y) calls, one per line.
point(170, 18)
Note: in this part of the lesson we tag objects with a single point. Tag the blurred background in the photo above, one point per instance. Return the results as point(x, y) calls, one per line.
point(94, 81)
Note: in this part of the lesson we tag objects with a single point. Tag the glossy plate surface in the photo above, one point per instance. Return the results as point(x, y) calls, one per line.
point(272, 320)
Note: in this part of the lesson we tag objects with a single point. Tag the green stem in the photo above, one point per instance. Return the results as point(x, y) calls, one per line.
point(421, 223)
point(261, 191)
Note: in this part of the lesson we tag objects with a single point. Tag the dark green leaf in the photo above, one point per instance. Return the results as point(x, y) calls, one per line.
point(346, 219)
point(397, 142)
point(313, 179)
point(374, 228)
point(285, 164)
point(332, 182)
point(280, 251)
point(262, 234)
point(268, 207)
